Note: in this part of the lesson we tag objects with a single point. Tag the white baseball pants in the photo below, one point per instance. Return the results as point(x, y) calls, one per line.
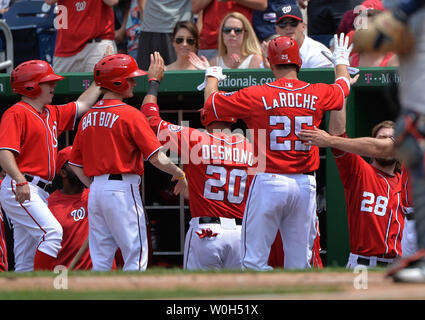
point(221, 251)
point(279, 201)
point(34, 225)
point(117, 220)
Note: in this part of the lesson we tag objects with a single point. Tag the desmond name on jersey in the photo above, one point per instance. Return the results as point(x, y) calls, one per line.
point(100, 119)
point(222, 153)
point(291, 100)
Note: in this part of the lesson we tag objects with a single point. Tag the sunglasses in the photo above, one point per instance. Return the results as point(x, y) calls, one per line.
point(190, 41)
point(292, 22)
point(227, 30)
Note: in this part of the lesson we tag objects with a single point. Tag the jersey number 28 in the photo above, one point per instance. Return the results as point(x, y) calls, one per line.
point(378, 207)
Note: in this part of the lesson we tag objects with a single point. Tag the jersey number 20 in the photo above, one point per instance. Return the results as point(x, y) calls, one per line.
point(221, 182)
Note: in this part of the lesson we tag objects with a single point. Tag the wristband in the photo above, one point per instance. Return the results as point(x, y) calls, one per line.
point(182, 177)
point(21, 184)
point(153, 87)
point(153, 79)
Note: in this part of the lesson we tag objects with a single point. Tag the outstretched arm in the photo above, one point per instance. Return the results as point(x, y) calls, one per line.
point(364, 146)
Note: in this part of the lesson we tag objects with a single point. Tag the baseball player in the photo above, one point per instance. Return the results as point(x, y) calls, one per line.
point(69, 206)
point(400, 29)
point(29, 132)
point(283, 197)
point(216, 164)
point(109, 147)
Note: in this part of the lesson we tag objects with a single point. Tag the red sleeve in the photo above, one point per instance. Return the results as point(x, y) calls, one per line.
point(332, 96)
point(146, 139)
point(11, 128)
point(349, 165)
point(230, 104)
point(67, 116)
point(76, 157)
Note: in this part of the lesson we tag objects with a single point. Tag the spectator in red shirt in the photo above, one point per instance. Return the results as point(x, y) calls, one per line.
point(84, 31)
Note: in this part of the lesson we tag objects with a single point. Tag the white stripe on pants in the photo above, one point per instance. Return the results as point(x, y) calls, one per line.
point(284, 202)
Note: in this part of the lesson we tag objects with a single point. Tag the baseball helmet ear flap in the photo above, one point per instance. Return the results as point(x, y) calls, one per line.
point(208, 117)
point(25, 79)
point(284, 50)
point(113, 71)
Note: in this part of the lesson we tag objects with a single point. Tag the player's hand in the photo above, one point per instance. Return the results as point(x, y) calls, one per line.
point(330, 57)
point(235, 61)
point(156, 68)
point(200, 63)
point(354, 79)
point(181, 185)
point(315, 137)
point(22, 193)
point(342, 50)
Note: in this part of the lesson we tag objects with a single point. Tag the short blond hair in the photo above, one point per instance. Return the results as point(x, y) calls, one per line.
point(250, 44)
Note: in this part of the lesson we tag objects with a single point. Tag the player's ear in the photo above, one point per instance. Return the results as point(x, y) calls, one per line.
point(63, 173)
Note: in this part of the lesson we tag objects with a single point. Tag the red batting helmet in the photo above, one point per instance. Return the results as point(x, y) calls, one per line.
point(208, 117)
point(284, 50)
point(27, 76)
point(113, 71)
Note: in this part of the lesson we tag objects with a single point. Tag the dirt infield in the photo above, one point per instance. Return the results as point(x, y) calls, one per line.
point(275, 285)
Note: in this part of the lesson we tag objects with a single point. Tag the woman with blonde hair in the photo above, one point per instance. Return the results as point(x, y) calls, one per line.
point(238, 46)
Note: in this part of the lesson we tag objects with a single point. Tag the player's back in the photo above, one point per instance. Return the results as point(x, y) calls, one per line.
point(277, 111)
point(216, 166)
point(218, 185)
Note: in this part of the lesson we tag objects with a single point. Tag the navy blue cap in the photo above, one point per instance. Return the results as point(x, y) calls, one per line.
point(288, 11)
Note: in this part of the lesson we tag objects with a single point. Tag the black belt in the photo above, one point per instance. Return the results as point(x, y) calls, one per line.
point(216, 220)
point(41, 184)
point(94, 40)
point(115, 176)
point(366, 262)
point(311, 173)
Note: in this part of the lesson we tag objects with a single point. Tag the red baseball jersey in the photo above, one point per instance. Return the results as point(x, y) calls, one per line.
point(33, 136)
point(71, 213)
point(278, 111)
point(216, 167)
point(113, 137)
point(374, 207)
point(85, 20)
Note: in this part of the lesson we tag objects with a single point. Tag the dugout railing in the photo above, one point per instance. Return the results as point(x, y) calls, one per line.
point(372, 99)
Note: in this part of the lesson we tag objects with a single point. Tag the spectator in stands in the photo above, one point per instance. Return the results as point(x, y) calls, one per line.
point(213, 12)
point(324, 16)
point(132, 29)
point(185, 40)
point(156, 30)
point(238, 46)
point(289, 22)
point(366, 11)
point(264, 21)
point(84, 31)
point(121, 11)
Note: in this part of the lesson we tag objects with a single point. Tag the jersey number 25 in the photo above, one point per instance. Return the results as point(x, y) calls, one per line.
point(275, 134)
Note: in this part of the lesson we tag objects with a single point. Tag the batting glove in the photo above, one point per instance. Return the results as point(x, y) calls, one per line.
point(342, 50)
point(216, 72)
point(329, 56)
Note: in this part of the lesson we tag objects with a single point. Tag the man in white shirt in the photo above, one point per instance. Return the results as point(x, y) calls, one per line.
point(289, 22)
